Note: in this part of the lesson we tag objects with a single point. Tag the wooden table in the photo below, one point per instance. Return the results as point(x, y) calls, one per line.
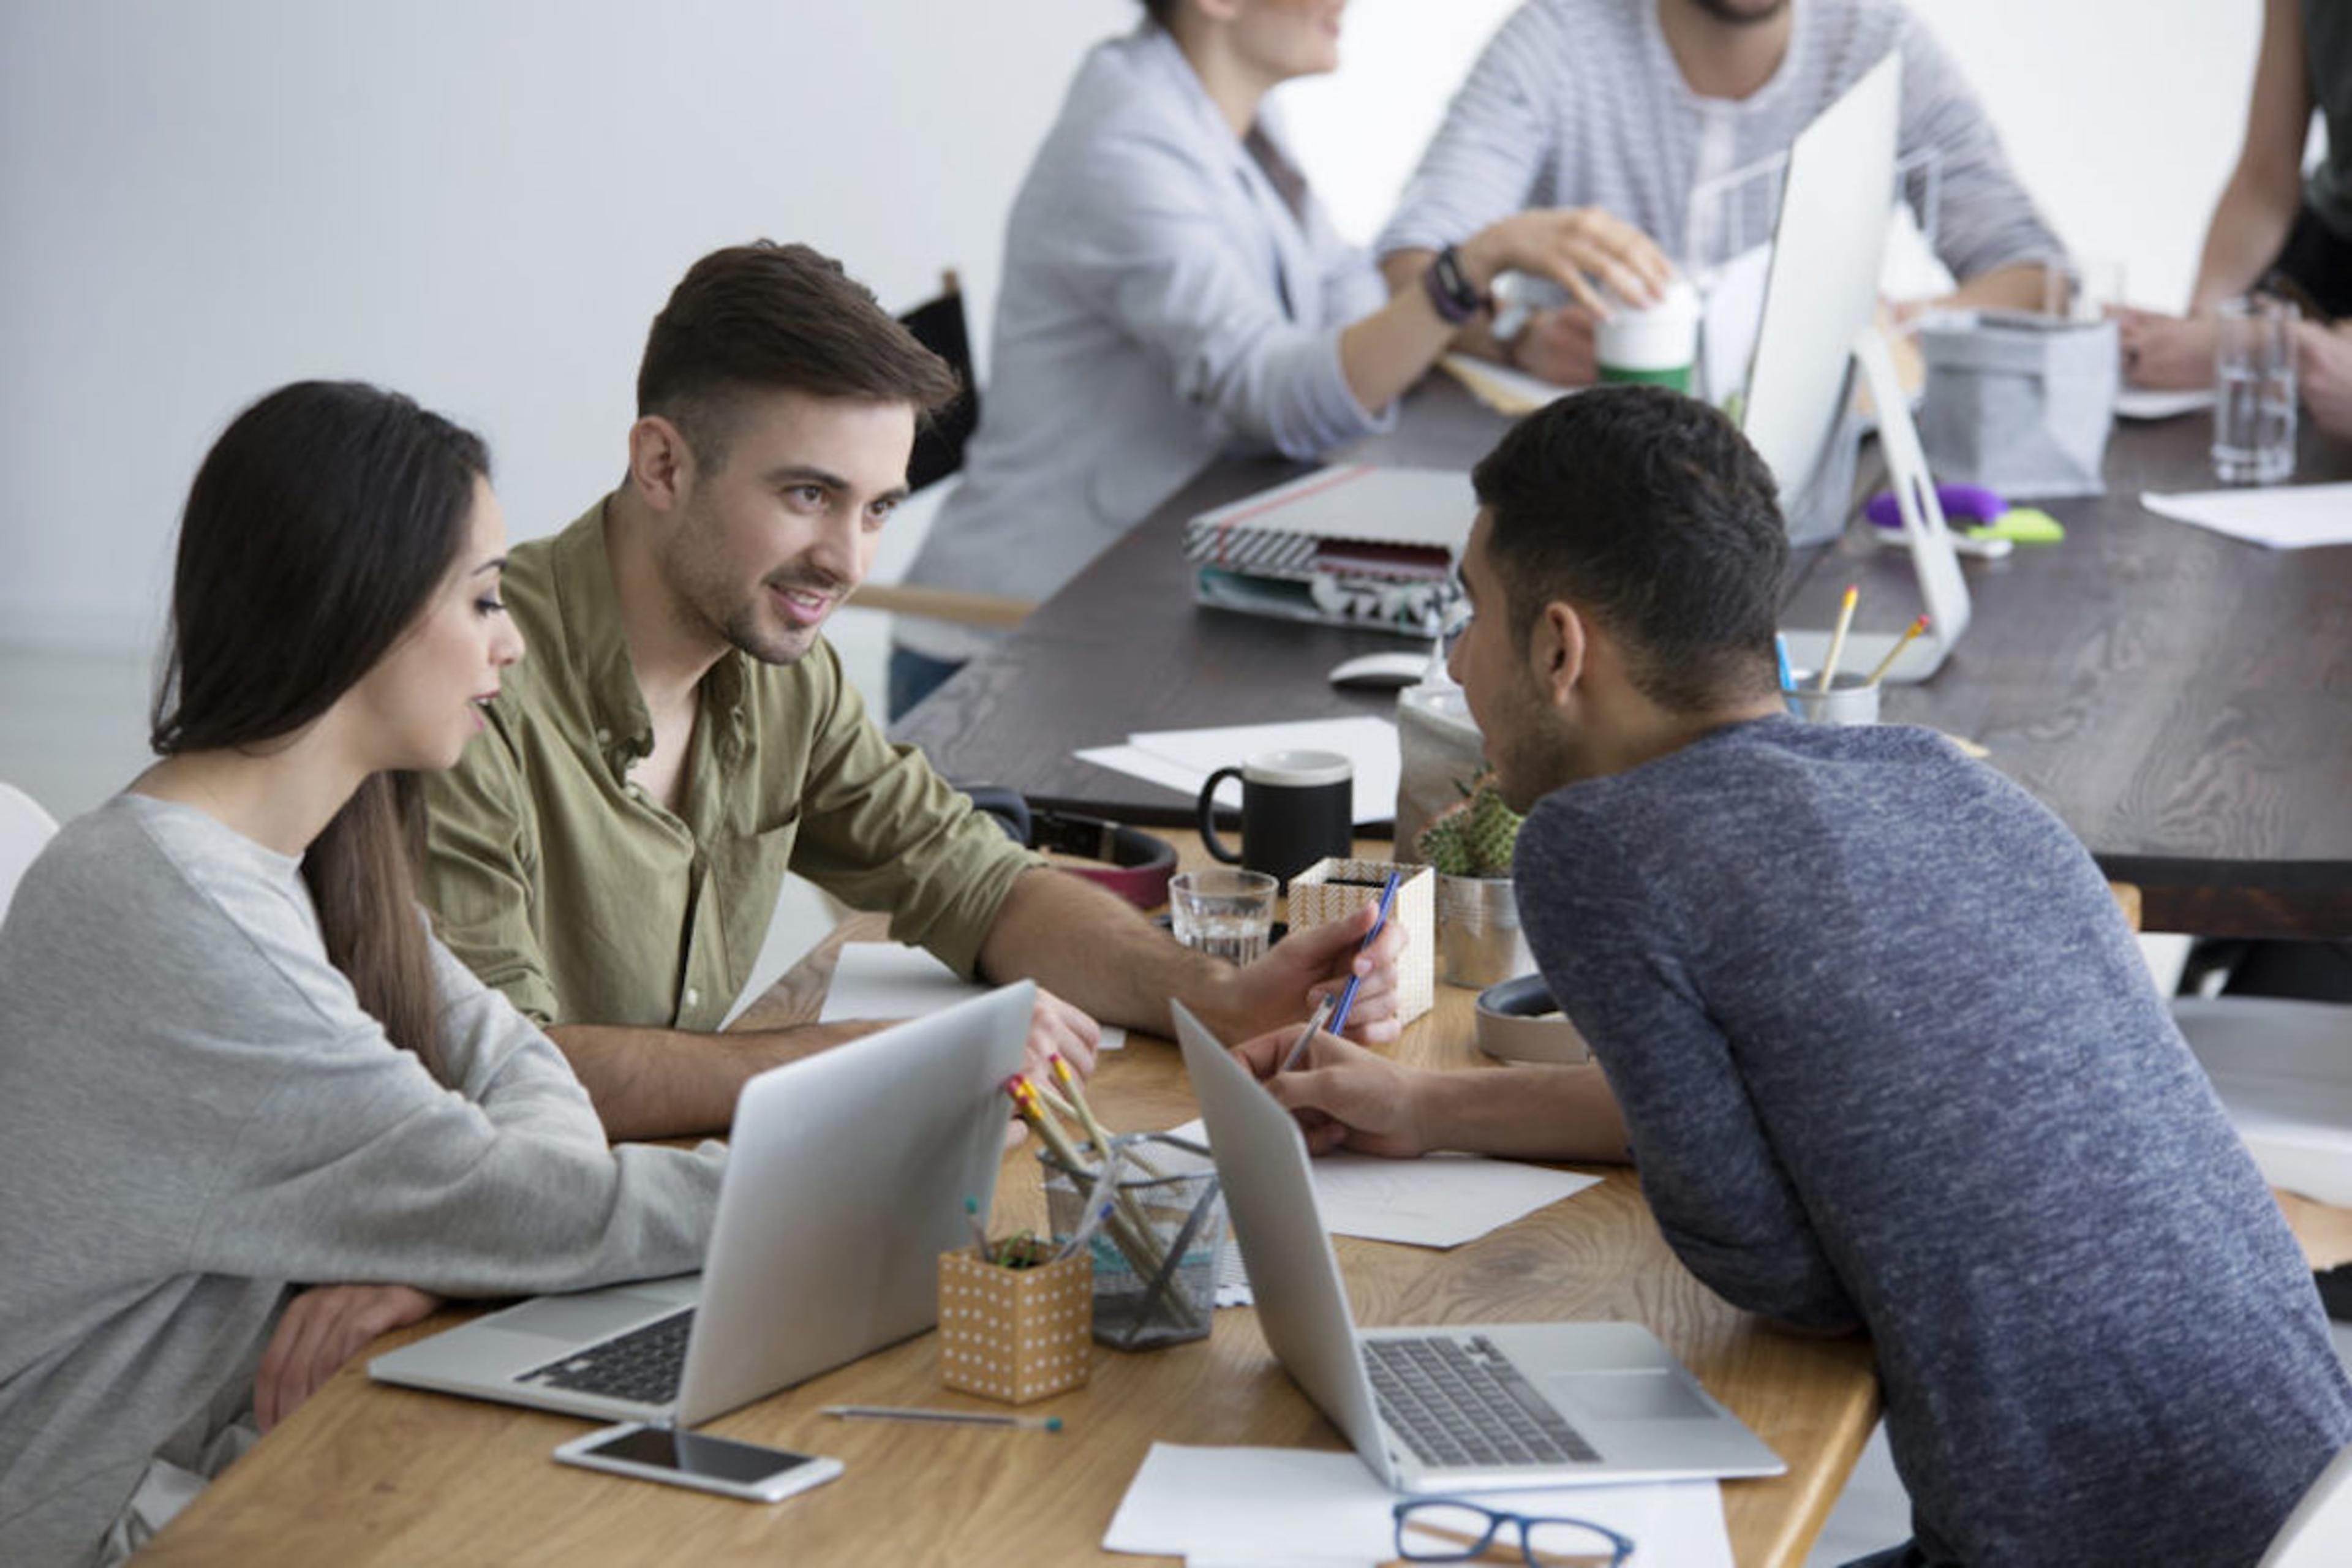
point(366, 1474)
point(2182, 701)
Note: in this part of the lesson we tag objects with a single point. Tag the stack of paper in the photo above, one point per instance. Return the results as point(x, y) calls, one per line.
point(1310, 1509)
point(1183, 759)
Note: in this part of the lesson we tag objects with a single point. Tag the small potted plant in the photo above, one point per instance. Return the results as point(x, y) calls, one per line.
point(1470, 844)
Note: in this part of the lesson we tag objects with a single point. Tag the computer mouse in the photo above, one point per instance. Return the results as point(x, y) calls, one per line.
point(1383, 671)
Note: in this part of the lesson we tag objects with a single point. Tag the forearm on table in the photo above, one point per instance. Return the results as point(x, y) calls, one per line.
point(1098, 953)
point(1528, 1112)
point(1385, 352)
point(668, 1083)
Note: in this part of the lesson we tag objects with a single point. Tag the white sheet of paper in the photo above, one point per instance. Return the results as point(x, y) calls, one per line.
point(2146, 403)
point(1369, 744)
point(888, 980)
point(1312, 1509)
point(2283, 517)
point(1152, 768)
point(1438, 1200)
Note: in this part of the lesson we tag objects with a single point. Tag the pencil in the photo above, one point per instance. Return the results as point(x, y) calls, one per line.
point(1077, 1109)
point(1348, 998)
point(1299, 1046)
point(959, 1417)
point(1837, 637)
point(1897, 651)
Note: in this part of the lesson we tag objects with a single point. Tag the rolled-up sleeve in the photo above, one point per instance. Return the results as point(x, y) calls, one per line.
point(1148, 249)
point(881, 830)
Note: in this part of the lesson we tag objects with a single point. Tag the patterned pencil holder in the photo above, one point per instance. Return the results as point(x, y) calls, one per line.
point(1015, 1334)
point(1333, 889)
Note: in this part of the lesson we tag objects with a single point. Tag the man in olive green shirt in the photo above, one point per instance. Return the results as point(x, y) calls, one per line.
point(681, 735)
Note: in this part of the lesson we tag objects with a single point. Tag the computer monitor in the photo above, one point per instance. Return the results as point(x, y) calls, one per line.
point(1827, 250)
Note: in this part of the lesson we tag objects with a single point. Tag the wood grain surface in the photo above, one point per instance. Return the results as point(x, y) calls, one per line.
point(365, 1474)
point(2182, 701)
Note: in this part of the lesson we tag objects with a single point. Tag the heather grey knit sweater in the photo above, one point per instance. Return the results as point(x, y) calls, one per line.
point(195, 1114)
point(1889, 1057)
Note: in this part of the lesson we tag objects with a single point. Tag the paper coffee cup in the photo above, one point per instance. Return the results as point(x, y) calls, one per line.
point(1656, 346)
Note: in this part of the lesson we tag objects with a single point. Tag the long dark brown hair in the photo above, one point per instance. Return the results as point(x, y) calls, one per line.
point(318, 530)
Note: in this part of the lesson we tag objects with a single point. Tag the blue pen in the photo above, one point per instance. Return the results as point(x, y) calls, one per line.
point(1348, 998)
point(1781, 652)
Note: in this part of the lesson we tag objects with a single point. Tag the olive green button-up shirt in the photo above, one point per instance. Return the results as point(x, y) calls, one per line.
point(581, 898)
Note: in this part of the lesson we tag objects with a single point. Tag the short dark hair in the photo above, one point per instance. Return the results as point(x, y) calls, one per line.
point(765, 317)
point(1651, 512)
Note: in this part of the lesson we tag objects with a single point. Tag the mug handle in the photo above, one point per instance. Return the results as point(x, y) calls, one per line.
point(1209, 818)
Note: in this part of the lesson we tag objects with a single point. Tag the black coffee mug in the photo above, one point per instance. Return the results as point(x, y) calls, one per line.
point(1297, 808)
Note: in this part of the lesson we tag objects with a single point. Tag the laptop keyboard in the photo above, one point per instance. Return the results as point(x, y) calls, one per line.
point(643, 1364)
point(1460, 1404)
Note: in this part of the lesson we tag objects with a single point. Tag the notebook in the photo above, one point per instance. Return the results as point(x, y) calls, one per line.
point(846, 1175)
point(1351, 544)
point(1465, 1408)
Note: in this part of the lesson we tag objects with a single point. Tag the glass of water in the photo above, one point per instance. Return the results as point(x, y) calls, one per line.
point(2253, 391)
point(1225, 913)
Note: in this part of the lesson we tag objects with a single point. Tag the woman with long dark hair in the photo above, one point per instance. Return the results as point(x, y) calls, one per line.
point(251, 1112)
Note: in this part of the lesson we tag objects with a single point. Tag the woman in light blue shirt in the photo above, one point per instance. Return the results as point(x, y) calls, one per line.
point(1172, 291)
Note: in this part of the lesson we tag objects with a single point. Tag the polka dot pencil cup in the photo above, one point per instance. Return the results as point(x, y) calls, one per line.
point(1015, 1333)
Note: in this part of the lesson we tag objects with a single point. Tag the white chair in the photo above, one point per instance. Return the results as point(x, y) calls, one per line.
point(24, 827)
point(2318, 1533)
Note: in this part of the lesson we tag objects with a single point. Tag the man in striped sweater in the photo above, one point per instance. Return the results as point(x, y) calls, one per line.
point(1622, 111)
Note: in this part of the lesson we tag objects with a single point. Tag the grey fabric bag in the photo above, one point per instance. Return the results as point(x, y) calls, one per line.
point(2020, 405)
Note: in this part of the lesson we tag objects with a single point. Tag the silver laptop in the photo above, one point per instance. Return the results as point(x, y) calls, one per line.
point(845, 1179)
point(1447, 1409)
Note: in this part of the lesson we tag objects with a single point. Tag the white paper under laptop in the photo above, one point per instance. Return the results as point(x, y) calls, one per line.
point(1816, 333)
point(847, 1174)
point(1462, 1409)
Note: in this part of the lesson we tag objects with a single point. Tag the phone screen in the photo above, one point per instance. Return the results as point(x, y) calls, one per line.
point(691, 1454)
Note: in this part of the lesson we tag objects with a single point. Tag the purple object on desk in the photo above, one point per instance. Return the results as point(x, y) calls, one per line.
point(1974, 502)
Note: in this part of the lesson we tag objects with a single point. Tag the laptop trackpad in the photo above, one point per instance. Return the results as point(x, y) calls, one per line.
point(578, 1317)
point(1648, 1395)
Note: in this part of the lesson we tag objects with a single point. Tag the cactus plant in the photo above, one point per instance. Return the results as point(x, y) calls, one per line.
point(1476, 836)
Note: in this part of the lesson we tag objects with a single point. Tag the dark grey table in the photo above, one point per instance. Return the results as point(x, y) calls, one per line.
point(2183, 702)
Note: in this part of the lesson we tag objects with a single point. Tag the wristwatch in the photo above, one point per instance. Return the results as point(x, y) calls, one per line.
point(1451, 292)
point(1139, 863)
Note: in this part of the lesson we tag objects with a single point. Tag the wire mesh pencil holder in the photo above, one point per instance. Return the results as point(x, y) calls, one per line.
point(1155, 1250)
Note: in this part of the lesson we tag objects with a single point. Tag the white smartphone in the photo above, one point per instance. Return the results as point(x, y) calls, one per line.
point(691, 1459)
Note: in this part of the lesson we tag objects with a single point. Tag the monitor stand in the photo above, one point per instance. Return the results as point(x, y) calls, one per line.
point(1941, 586)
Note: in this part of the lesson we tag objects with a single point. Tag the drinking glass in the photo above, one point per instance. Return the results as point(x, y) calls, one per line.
point(1227, 913)
point(2253, 391)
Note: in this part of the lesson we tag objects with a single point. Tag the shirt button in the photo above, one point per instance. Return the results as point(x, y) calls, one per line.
point(604, 737)
point(693, 997)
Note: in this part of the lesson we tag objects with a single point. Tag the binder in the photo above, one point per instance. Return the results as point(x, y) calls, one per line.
point(1348, 545)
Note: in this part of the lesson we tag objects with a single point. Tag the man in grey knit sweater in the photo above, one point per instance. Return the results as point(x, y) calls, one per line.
point(1883, 1048)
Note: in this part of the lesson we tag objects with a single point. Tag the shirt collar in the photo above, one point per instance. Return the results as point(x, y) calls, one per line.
point(588, 607)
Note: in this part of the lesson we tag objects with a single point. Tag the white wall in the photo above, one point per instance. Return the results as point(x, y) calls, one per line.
point(483, 202)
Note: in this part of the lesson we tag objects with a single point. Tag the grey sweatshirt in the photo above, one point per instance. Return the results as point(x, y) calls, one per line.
point(197, 1116)
point(1889, 1058)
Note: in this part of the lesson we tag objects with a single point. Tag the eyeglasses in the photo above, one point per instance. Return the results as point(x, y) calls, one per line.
point(1447, 1530)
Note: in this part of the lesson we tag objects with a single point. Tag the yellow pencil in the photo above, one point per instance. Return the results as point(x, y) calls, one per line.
point(1837, 637)
point(1897, 651)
